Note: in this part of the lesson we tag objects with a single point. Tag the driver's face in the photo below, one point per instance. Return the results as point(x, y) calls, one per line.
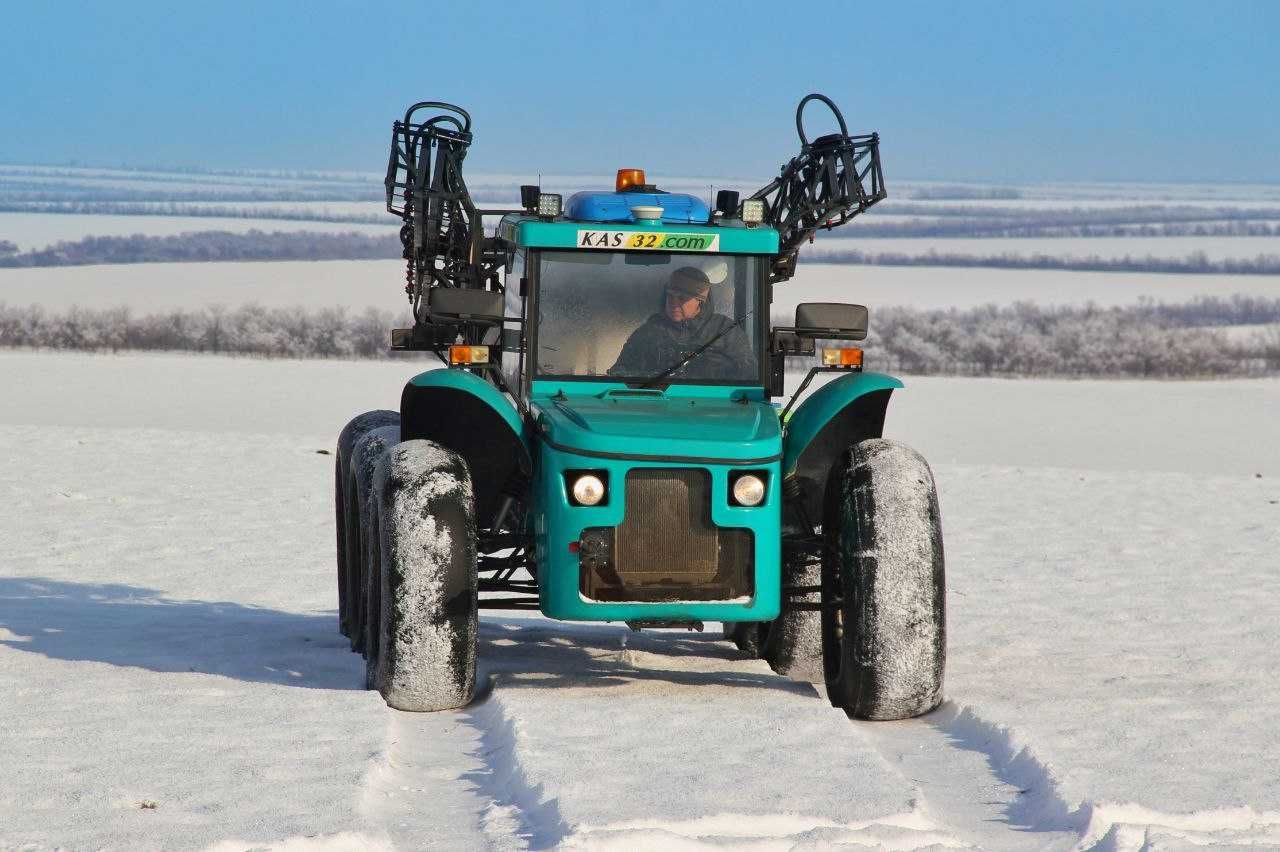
point(682, 306)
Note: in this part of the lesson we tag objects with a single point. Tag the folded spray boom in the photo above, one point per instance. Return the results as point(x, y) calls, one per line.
point(833, 178)
point(443, 232)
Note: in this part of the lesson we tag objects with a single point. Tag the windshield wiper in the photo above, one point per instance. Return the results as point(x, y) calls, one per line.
point(695, 353)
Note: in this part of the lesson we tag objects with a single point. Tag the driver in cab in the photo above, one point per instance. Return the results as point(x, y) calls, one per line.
point(687, 322)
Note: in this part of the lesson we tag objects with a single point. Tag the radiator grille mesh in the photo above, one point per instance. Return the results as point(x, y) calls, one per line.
point(668, 548)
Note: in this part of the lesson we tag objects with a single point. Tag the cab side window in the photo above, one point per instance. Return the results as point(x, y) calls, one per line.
point(514, 308)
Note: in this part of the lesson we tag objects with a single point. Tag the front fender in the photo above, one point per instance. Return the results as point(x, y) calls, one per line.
point(840, 413)
point(463, 412)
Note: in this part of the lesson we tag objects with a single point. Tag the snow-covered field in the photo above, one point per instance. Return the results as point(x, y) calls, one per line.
point(145, 287)
point(173, 676)
point(357, 284)
point(1080, 248)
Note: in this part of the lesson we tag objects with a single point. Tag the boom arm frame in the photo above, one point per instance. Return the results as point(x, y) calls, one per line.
point(443, 232)
point(833, 178)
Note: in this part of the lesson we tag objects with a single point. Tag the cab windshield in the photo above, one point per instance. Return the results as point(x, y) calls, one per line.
point(633, 315)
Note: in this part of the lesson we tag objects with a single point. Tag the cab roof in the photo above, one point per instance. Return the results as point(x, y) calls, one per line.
point(677, 208)
point(603, 221)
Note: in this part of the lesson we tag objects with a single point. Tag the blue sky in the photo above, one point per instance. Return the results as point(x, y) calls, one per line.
point(963, 91)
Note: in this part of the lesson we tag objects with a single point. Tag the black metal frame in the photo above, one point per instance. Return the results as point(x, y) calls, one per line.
point(803, 549)
point(813, 371)
point(443, 232)
point(834, 178)
point(498, 573)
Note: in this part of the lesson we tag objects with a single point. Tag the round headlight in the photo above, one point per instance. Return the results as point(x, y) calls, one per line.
point(748, 490)
point(588, 490)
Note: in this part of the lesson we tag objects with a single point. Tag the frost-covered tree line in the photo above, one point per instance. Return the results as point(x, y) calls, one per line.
point(247, 330)
point(204, 246)
point(1147, 339)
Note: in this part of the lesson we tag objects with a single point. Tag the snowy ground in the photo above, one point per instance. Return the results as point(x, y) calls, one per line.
point(173, 676)
point(145, 287)
point(168, 638)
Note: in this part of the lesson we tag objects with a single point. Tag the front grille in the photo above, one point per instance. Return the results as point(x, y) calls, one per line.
point(667, 547)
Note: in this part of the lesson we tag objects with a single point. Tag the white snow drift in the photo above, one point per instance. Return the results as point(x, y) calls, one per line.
point(173, 676)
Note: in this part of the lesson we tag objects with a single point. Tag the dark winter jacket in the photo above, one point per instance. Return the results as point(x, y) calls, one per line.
point(661, 343)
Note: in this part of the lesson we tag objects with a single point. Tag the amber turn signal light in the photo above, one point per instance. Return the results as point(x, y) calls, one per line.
point(468, 354)
point(842, 357)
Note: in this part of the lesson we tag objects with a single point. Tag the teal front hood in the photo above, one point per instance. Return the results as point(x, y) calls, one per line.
point(690, 430)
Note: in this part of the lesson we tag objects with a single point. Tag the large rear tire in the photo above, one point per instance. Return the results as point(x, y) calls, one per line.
point(428, 615)
point(883, 587)
point(373, 596)
point(341, 471)
point(365, 453)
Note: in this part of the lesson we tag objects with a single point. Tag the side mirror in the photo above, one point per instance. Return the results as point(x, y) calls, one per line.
point(462, 304)
point(831, 321)
point(814, 321)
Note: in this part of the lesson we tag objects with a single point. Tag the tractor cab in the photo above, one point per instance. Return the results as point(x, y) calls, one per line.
point(643, 354)
point(638, 288)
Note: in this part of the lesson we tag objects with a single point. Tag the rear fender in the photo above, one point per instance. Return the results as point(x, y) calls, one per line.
point(463, 412)
point(840, 413)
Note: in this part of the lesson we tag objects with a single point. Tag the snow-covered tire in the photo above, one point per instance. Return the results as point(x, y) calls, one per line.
point(365, 453)
point(342, 455)
point(792, 642)
point(884, 637)
point(372, 621)
point(429, 620)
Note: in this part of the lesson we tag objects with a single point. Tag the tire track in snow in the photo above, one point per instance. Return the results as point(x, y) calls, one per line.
point(975, 779)
point(517, 814)
point(596, 737)
point(418, 791)
point(1019, 803)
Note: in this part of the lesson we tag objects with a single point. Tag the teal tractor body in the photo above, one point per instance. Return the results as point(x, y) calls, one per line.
point(606, 441)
